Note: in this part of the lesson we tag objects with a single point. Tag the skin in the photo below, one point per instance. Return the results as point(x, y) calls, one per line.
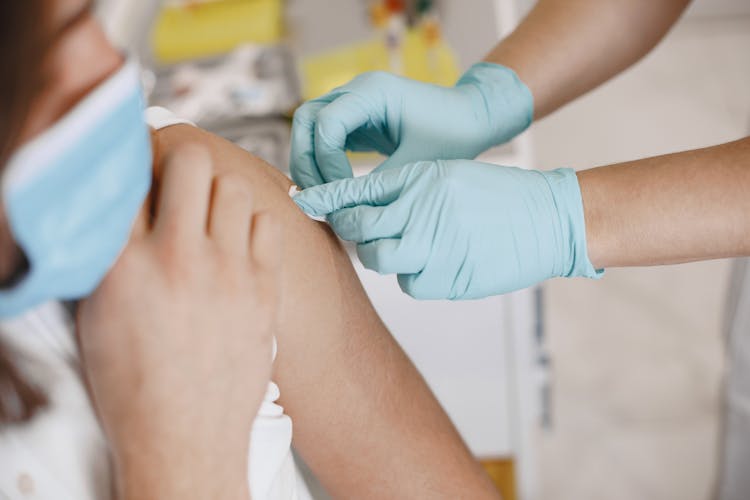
point(664, 210)
point(669, 209)
point(551, 50)
point(211, 264)
point(651, 196)
point(364, 419)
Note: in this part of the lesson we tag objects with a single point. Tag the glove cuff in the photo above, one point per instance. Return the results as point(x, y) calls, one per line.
point(507, 100)
point(574, 258)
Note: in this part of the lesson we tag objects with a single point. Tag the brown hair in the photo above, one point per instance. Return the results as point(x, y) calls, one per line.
point(22, 44)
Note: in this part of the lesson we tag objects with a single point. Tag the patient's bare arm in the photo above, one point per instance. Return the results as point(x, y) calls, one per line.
point(364, 419)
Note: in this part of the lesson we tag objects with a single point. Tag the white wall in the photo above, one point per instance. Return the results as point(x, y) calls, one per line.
point(638, 355)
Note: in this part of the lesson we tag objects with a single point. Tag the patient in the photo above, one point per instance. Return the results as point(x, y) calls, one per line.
point(364, 419)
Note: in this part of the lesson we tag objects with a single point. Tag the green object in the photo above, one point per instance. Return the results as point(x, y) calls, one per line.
point(424, 6)
point(460, 229)
point(407, 120)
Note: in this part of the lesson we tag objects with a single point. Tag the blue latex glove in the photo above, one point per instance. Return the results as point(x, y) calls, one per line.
point(460, 229)
point(407, 120)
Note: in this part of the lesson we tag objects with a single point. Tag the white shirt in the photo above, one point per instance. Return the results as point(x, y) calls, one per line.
point(62, 453)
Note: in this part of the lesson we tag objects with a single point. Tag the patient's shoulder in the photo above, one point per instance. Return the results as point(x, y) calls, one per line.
point(227, 156)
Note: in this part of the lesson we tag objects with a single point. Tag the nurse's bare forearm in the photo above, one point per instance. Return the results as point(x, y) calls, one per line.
point(669, 209)
point(564, 48)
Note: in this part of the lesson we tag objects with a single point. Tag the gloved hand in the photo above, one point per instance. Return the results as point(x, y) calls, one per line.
point(407, 120)
point(460, 229)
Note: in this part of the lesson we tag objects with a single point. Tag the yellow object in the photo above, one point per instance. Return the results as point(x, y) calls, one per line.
point(379, 15)
point(431, 61)
point(200, 29)
point(431, 31)
point(502, 473)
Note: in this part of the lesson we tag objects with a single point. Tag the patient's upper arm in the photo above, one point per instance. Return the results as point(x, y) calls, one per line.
point(364, 420)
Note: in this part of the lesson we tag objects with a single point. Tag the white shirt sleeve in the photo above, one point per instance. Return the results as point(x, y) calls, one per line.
point(61, 453)
point(271, 470)
point(159, 118)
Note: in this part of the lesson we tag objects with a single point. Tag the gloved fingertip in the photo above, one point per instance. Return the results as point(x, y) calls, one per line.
point(314, 201)
point(368, 256)
point(406, 282)
point(304, 180)
point(302, 205)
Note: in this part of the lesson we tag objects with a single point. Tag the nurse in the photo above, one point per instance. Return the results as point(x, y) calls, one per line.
point(454, 228)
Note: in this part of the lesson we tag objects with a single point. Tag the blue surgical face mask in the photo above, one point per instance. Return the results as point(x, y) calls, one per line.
point(71, 194)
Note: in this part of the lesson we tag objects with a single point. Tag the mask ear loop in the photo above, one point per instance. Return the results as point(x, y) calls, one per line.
point(20, 263)
point(19, 271)
point(156, 156)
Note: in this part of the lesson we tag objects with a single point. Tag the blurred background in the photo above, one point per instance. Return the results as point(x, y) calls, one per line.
point(580, 389)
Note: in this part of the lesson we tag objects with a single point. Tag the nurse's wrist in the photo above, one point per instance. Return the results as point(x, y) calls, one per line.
point(573, 253)
point(593, 231)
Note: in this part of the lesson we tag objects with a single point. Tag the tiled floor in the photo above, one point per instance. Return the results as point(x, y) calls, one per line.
point(638, 356)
